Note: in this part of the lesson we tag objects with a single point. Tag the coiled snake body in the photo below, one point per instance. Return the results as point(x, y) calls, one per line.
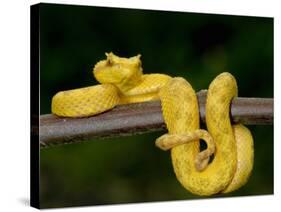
point(122, 82)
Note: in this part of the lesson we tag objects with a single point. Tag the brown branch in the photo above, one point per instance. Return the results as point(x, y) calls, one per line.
point(140, 118)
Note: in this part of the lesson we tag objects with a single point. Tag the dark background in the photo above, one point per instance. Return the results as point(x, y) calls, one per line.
point(195, 46)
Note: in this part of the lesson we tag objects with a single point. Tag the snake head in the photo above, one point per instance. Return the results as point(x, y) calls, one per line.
point(125, 73)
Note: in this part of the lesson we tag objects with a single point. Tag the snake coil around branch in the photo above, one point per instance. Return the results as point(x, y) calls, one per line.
point(231, 146)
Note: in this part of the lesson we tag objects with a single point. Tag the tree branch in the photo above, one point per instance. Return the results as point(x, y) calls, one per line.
point(139, 118)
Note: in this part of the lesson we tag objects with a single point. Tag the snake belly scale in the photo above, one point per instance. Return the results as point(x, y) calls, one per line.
point(122, 82)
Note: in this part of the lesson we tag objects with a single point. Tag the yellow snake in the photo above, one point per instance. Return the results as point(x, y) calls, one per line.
point(122, 81)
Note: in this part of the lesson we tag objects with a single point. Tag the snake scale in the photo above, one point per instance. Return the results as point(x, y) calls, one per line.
point(229, 146)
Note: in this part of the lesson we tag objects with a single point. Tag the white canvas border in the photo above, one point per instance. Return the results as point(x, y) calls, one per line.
point(15, 102)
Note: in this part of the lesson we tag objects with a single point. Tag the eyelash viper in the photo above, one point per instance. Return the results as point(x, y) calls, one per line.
point(122, 82)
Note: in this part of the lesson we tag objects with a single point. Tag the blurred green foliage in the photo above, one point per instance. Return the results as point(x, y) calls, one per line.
point(195, 46)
